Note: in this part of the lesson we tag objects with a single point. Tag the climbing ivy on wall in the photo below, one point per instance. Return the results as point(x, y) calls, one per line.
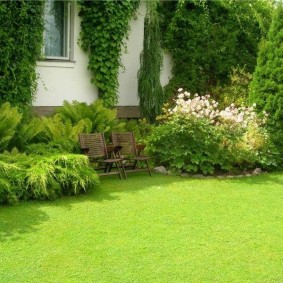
point(150, 91)
point(21, 29)
point(104, 26)
point(207, 39)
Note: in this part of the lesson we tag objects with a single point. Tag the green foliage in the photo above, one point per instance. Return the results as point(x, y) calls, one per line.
point(104, 26)
point(63, 133)
point(209, 38)
point(150, 91)
point(43, 177)
point(236, 91)
point(9, 120)
point(100, 118)
point(141, 128)
point(21, 29)
point(267, 83)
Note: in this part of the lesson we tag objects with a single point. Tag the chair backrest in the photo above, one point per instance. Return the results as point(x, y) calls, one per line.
point(94, 143)
point(127, 141)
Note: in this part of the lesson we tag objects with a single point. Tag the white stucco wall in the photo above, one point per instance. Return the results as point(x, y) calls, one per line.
point(59, 81)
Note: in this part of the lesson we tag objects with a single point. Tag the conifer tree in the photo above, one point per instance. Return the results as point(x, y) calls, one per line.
point(149, 87)
point(267, 84)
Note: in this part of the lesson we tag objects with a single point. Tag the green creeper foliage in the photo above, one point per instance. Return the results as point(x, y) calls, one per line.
point(104, 26)
point(150, 91)
point(209, 38)
point(267, 83)
point(21, 29)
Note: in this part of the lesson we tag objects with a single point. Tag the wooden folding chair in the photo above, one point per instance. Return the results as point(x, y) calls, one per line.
point(130, 151)
point(94, 146)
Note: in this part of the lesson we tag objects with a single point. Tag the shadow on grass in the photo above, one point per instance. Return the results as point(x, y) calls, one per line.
point(15, 221)
point(27, 217)
point(111, 187)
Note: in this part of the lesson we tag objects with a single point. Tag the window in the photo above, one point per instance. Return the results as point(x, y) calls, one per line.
point(57, 34)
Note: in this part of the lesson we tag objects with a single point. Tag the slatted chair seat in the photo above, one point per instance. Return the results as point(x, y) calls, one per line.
point(94, 146)
point(130, 151)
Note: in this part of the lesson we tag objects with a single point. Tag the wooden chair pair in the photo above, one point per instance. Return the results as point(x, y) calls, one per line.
point(123, 153)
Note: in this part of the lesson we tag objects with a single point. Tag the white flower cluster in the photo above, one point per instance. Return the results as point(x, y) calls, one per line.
point(204, 107)
point(198, 106)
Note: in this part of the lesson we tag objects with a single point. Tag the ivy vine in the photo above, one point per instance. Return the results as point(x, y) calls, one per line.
point(21, 29)
point(104, 26)
point(207, 39)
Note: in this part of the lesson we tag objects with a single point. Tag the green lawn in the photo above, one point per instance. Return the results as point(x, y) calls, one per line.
point(149, 229)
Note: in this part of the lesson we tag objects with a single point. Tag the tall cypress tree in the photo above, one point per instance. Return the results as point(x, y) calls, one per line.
point(267, 84)
point(149, 87)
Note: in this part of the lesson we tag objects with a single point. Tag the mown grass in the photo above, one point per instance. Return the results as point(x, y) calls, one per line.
point(149, 229)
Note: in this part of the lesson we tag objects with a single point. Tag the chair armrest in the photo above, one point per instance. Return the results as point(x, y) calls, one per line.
point(84, 150)
point(117, 149)
point(140, 147)
point(113, 149)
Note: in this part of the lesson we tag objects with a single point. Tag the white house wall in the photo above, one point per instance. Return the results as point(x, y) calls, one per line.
point(59, 81)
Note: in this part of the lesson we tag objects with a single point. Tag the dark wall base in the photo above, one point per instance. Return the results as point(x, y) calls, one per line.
point(122, 111)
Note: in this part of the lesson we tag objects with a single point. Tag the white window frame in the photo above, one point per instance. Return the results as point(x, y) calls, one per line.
point(69, 10)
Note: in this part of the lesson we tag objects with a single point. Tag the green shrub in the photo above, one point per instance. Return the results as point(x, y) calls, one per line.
point(194, 136)
point(43, 177)
point(236, 91)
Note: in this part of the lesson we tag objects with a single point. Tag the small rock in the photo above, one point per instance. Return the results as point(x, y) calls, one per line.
point(220, 177)
point(230, 176)
point(170, 173)
point(200, 176)
point(257, 171)
point(248, 175)
point(184, 175)
point(240, 176)
point(160, 169)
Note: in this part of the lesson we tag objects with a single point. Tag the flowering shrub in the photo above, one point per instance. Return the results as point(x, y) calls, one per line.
point(194, 135)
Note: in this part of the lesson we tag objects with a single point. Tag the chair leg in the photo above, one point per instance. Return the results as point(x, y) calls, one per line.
point(118, 169)
point(148, 169)
point(123, 169)
point(106, 169)
point(134, 164)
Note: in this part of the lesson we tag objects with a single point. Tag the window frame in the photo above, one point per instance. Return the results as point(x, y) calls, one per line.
point(69, 40)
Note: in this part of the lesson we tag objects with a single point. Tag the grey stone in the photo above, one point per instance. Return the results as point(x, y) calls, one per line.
point(185, 175)
point(200, 176)
point(160, 169)
point(257, 171)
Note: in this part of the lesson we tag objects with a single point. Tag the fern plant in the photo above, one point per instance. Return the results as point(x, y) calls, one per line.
point(28, 132)
point(10, 118)
point(64, 133)
point(102, 119)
